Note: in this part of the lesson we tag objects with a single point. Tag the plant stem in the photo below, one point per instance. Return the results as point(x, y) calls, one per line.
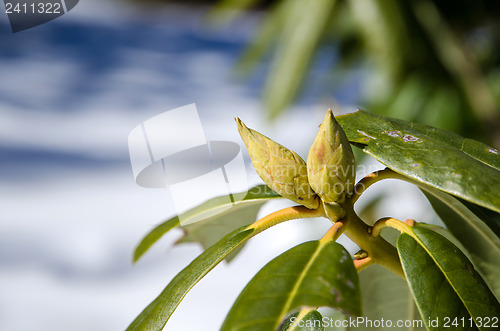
point(334, 232)
point(380, 251)
point(371, 179)
point(392, 223)
point(290, 213)
point(363, 263)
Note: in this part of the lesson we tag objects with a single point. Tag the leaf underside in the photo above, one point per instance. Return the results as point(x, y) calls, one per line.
point(387, 296)
point(210, 229)
point(471, 230)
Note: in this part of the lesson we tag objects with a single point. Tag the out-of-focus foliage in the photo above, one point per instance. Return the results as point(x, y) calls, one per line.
point(436, 62)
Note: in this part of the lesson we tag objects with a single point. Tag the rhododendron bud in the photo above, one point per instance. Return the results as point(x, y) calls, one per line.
point(330, 163)
point(283, 170)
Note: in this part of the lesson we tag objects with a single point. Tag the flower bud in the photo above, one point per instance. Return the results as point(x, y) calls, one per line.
point(283, 170)
point(330, 163)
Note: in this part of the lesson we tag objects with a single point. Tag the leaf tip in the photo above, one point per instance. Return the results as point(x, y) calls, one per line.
point(136, 256)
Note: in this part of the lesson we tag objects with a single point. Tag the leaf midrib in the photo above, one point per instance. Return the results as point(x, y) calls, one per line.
point(443, 272)
point(286, 306)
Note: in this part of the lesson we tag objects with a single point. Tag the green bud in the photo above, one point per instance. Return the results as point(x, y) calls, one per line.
point(283, 170)
point(334, 211)
point(330, 163)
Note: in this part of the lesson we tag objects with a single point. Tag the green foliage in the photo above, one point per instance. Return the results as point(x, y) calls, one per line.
point(460, 177)
point(314, 274)
point(209, 229)
point(159, 311)
point(386, 296)
point(470, 230)
point(306, 319)
point(443, 160)
point(433, 265)
point(299, 36)
point(432, 61)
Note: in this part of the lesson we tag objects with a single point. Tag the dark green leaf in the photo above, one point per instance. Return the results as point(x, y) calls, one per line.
point(315, 273)
point(443, 281)
point(154, 316)
point(210, 229)
point(434, 295)
point(443, 160)
point(306, 319)
point(468, 227)
point(450, 208)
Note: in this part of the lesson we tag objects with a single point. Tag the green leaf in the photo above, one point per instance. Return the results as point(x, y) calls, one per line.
point(296, 46)
point(387, 296)
point(211, 228)
point(315, 273)
point(235, 4)
point(443, 281)
point(462, 167)
point(455, 211)
point(156, 315)
point(266, 34)
point(471, 231)
point(306, 319)
point(244, 212)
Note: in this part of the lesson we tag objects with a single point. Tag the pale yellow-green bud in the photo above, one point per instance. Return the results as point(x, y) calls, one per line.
point(283, 170)
point(330, 163)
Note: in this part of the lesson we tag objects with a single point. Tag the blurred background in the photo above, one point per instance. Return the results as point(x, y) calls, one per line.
point(72, 89)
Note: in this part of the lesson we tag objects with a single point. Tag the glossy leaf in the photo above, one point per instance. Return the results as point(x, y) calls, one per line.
point(211, 228)
point(462, 167)
point(443, 281)
point(315, 273)
point(156, 315)
point(306, 319)
point(434, 295)
point(471, 231)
